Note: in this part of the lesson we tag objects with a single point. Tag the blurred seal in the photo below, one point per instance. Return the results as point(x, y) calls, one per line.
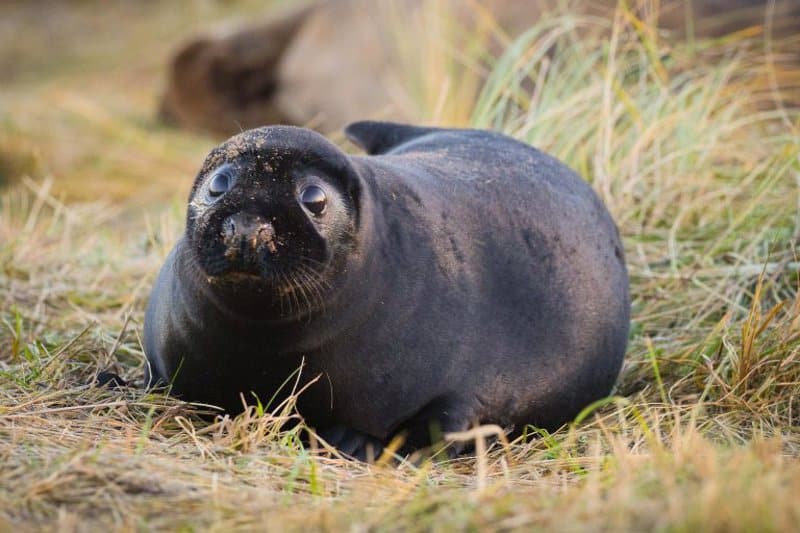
point(449, 277)
point(324, 63)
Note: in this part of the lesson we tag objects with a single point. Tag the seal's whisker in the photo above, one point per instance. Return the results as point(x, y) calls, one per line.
point(285, 282)
point(316, 275)
point(320, 285)
point(299, 286)
point(310, 283)
point(308, 286)
point(276, 294)
point(293, 293)
point(314, 263)
point(280, 299)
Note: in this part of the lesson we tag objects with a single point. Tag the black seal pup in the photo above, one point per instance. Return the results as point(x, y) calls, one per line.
point(449, 277)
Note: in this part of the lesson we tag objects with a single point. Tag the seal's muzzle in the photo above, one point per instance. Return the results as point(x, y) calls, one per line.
point(249, 240)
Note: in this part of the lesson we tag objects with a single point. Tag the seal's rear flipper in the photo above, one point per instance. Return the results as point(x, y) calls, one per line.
point(381, 137)
point(353, 443)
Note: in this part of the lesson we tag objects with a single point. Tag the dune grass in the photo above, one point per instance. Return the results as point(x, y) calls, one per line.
point(695, 149)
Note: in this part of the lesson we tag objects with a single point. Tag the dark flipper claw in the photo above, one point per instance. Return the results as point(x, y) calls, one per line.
point(109, 379)
point(353, 443)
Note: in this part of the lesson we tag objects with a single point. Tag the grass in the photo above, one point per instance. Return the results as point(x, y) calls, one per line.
point(694, 148)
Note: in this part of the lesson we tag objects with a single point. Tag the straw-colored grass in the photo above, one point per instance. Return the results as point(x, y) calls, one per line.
point(694, 149)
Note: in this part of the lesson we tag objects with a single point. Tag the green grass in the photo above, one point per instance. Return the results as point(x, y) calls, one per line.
point(696, 153)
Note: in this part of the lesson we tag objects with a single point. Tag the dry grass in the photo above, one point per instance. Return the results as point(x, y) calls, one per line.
point(690, 150)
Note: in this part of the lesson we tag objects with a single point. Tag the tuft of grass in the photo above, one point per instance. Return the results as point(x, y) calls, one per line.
point(695, 149)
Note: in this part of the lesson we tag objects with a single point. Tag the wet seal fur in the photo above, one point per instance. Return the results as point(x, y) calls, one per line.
point(451, 277)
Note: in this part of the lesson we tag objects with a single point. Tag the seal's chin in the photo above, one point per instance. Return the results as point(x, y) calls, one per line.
point(247, 277)
point(289, 293)
point(232, 279)
point(245, 281)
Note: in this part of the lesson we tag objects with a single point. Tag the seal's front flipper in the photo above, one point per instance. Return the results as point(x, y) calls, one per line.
point(427, 428)
point(109, 379)
point(381, 137)
point(353, 443)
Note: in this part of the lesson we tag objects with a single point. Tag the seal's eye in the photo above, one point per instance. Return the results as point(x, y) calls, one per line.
point(313, 198)
point(219, 184)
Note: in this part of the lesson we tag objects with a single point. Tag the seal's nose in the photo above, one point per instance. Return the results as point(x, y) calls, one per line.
point(248, 238)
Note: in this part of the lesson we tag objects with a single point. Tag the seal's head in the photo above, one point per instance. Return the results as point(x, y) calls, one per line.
point(272, 221)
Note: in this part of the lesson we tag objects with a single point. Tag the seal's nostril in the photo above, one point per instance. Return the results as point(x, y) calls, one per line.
point(247, 237)
point(266, 236)
point(228, 229)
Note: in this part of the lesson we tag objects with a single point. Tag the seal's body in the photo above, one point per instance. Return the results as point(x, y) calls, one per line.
point(451, 276)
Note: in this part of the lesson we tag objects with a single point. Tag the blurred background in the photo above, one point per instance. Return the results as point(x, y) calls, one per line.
point(682, 115)
point(121, 100)
point(80, 83)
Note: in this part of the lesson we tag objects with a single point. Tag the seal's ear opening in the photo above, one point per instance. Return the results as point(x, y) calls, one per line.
point(381, 137)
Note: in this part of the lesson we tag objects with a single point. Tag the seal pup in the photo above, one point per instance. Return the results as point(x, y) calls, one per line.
point(450, 277)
